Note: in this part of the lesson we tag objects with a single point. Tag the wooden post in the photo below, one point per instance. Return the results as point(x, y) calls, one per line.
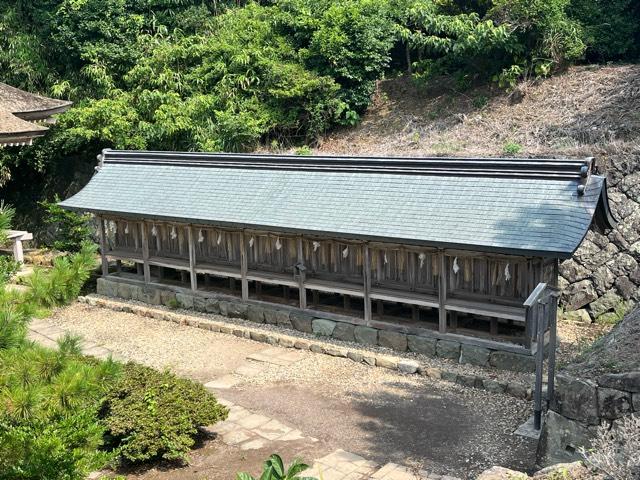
point(366, 272)
point(454, 320)
point(415, 313)
point(244, 267)
point(192, 259)
point(119, 266)
point(551, 364)
point(301, 276)
point(145, 254)
point(442, 294)
point(103, 247)
point(539, 360)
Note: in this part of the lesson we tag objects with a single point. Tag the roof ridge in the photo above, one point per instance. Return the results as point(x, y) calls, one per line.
point(578, 169)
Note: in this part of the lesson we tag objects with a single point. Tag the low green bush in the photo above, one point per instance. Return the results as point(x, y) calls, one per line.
point(151, 415)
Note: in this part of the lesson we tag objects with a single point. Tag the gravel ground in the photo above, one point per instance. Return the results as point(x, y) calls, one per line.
point(188, 351)
point(377, 413)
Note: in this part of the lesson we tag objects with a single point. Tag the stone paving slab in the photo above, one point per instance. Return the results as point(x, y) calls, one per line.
point(277, 356)
point(224, 382)
point(342, 465)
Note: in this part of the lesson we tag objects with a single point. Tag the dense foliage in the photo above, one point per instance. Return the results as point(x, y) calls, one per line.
point(63, 415)
point(228, 75)
point(151, 415)
point(69, 231)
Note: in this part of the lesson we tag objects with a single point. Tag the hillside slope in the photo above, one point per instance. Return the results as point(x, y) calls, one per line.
point(587, 111)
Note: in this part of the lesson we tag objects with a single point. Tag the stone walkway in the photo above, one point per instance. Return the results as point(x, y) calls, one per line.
point(249, 430)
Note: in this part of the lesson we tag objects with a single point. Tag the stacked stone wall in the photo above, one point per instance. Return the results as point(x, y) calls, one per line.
point(604, 274)
point(579, 407)
point(297, 319)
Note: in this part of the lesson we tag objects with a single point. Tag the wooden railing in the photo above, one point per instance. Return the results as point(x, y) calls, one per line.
point(541, 315)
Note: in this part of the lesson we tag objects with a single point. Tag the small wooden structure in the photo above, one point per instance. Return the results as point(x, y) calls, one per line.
point(457, 247)
point(22, 115)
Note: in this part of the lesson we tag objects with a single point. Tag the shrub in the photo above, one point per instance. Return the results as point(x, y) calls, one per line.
point(63, 282)
point(8, 268)
point(511, 148)
point(48, 421)
point(274, 469)
point(614, 451)
point(150, 415)
point(70, 230)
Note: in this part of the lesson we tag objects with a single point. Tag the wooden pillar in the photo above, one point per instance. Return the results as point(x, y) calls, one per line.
point(415, 313)
point(379, 308)
point(192, 259)
point(315, 297)
point(301, 276)
point(366, 272)
point(346, 300)
point(493, 327)
point(145, 254)
point(442, 294)
point(103, 247)
point(244, 267)
point(119, 266)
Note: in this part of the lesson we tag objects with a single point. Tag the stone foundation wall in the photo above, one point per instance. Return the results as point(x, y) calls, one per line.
point(579, 407)
point(297, 319)
point(605, 271)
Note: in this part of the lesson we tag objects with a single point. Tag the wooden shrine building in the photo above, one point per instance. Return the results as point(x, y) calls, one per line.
point(451, 248)
point(23, 115)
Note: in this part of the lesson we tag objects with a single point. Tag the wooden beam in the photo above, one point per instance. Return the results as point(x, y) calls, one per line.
point(192, 259)
point(103, 247)
point(244, 267)
point(145, 254)
point(366, 273)
point(301, 275)
point(442, 297)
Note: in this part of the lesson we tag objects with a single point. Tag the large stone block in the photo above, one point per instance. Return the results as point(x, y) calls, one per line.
point(423, 345)
point(608, 302)
point(635, 400)
point(474, 355)
point(212, 305)
point(576, 399)
point(323, 327)
point(125, 291)
point(448, 349)
point(106, 287)
point(394, 340)
point(344, 331)
point(562, 438)
point(255, 314)
point(613, 403)
point(629, 381)
point(512, 361)
point(233, 309)
point(579, 294)
point(184, 300)
point(167, 297)
point(366, 335)
point(301, 322)
point(573, 271)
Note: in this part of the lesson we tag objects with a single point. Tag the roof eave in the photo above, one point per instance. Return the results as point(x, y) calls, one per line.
point(369, 238)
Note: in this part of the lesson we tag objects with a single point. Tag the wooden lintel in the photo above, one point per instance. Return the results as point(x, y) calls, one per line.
point(244, 267)
point(145, 253)
point(192, 259)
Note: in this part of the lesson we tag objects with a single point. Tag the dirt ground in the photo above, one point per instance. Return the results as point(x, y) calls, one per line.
point(376, 413)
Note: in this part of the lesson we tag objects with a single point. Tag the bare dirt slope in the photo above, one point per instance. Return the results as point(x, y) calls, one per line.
point(584, 111)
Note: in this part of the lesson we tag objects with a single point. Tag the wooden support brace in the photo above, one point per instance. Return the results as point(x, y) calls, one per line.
point(415, 313)
point(192, 259)
point(315, 297)
point(493, 326)
point(119, 266)
point(453, 317)
point(366, 272)
point(103, 247)
point(145, 254)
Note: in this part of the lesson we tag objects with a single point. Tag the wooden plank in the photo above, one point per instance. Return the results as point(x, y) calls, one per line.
point(551, 363)
point(175, 263)
point(409, 298)
point(334, 287)
point(192, 259)
point(272, 278)
point(517, 314)
point(442, 298)
point(366, 273)
point(145, 254)
point(301, 275)
point(537, 391)
point(103, 248)
point(244, 267)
